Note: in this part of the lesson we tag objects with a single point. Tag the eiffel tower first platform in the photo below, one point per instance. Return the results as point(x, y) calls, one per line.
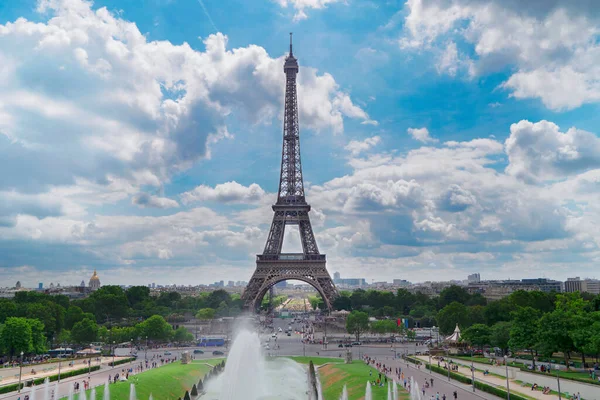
point(291, 208)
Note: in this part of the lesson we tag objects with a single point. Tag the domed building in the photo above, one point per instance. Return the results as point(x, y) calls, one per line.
point(94, 282)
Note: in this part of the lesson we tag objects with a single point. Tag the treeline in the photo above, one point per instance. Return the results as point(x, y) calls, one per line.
point(537, 322)
point(32, 322)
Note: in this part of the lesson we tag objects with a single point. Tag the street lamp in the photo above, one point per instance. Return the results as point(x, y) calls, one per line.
point(429, 362)
point(472, 370)
point(20, 371)
point(507, 386)
point(59, 360)
point(113, 351)
point(448, 363)
point(558, 380)
point(146, 353)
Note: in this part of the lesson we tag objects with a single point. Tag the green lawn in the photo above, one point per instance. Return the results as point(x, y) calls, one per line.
point(355, 376)
point(316, 360)
point(180, 378)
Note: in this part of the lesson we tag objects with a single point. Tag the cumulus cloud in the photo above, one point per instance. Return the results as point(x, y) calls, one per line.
point(301, 5)
point(355, 147)
point(146, 200)
point(421, 134)
point(540, 151)
point(552, 45)
point(229, 192)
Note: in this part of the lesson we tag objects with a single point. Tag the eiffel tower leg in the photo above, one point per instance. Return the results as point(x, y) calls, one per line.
point(275, 238)
point(309, 244)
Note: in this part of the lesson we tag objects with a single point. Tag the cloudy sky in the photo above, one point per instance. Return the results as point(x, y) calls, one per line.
point(439, 137)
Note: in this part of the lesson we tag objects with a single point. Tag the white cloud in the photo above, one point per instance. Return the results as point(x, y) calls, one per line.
point(146, 200)
point(421, 134)
point(552, 45)
point(301, 5)
point(539, 151)
point(356, 147)
point(229, 192)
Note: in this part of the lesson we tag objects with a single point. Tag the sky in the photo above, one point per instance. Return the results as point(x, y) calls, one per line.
point(439, 138)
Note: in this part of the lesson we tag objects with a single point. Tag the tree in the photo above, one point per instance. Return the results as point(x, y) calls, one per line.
point(182, 335)
point(194, 391)
point(108, 302)
point(64, 337)
point(84, 331)
point(500, 335)
point(357, 323)
point(155, 328)
point(477, 335)
point(454, 313)
point(384, 326)
point(73, 315)
point(137, 294)
point(524, 330)
point(7, 309)
point(453, 294)
point(187, 396)
point(16, 336)
point(206, 314)
point(38, 339)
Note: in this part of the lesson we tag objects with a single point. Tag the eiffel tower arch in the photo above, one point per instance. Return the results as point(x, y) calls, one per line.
point(291, 208)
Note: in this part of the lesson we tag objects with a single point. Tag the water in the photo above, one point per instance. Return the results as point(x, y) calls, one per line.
point(319, 387)
point(132, 395)
point(106, 391)
point(395, 390)
point(47, 388)
point(150, 398)
point(55, 391)
point(82, 395)
point(368, 394)
point(344, 394)
point(415, 393)
point(32, 393)
point(93, 393)
point(389, 396)
point(70, 397)
point(248, 376)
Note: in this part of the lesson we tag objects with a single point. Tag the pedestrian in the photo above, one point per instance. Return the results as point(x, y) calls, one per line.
point(444, 396)
point(437, 396)
point(455, 395)
point(431, 380)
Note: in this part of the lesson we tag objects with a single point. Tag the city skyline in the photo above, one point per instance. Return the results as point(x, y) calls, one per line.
point(437, 141)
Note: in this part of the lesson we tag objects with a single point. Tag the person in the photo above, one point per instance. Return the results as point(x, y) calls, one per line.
point(534, 386)
point(444, 396)
point(437, 396)
point(431, 380)
point(455, 395)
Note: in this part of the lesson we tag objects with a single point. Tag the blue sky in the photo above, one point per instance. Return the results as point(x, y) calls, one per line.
point(439, 137)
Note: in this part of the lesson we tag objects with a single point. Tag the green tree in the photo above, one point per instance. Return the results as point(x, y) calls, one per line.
point(357, 323)
point(194, 391)
point(384, 326)
point(453, 294)
point(84, 331)
point(7, 309)
point(155, 328)
point(500, 335)
point(524, 330)
point(454, 313)
point(64, 337)
point(182, 335)
point(38, 338)
point(186, 396)
point(16, 336)
point(477, 335)
point(73, 315)
point(137, 295)
point(108, 302)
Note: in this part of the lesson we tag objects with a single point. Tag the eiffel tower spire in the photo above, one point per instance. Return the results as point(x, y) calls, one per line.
point(290, 208)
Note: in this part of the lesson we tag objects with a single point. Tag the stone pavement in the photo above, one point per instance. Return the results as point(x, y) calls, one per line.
point(441, 384)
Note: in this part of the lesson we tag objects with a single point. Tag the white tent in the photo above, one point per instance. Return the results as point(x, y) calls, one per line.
point(455, 337)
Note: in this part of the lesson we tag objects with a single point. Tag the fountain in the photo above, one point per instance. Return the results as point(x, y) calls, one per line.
point(389, 396)
point(415, 394)
point(395, 390)
point(344, 393)
point(55, 391)
point(47, 388)
point(248, 376)
point(368, 394)
point(132, 395)
point(150, 398)
point(106, 391)
point(93, 393)
point(32, 393)
point(70, 397)
point(82, 395)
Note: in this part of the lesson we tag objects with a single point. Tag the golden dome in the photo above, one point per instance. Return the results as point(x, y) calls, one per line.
point(94, 277)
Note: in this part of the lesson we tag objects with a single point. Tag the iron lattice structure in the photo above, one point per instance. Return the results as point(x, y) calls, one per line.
point(291, 208)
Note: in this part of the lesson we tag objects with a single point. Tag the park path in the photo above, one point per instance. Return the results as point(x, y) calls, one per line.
point(492, 380)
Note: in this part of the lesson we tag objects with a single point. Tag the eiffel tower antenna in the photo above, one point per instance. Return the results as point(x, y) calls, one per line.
point(291, 208)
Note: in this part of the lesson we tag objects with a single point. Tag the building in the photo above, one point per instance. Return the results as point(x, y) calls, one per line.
point(41, 286)
point(18, 285)
point(545, 285)
point(230, 284)
point(401, 282)
point(474, 278)
point(578, 285)
point(336, 275)
point(94, 282)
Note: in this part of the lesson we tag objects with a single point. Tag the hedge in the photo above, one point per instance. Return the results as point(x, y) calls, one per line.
point(570, 378)
point(478, 384)
point(123, 361)
point(52, 378)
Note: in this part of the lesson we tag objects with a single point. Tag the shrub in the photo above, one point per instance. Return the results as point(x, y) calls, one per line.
point(123, 361)
point(187, 396)
point(52, 378)
point(194, 391)
point(200, 385)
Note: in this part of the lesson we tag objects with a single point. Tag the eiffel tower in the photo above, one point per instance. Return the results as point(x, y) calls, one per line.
point(273, 266)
